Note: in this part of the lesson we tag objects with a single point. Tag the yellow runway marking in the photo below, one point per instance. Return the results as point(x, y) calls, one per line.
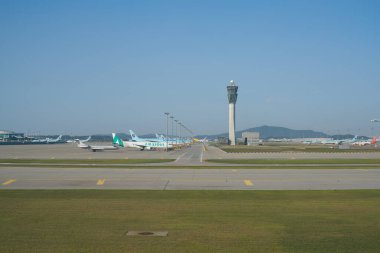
point(234, 170)
point(248, 182)
point(9, 182)
point(100, 182)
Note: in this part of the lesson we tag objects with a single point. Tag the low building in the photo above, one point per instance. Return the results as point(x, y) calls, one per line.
point(251, 138)
point(223, 140)
point(10, 135)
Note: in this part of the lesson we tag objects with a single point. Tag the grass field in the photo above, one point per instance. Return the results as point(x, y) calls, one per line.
point(85, 161)
point(295, 161)
point(294, 148)
point(197, 221)
point(224, 163)
point(242, 166)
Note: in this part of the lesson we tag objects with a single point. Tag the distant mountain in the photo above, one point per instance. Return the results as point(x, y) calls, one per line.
point(267, 132)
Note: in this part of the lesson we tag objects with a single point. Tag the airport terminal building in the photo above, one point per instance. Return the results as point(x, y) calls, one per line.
point(6, 135)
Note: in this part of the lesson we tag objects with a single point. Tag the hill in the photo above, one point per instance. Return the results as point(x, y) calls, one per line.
point(267, 132)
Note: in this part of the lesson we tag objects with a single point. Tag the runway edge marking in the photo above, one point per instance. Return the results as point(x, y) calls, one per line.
point(100, 182)
point(9, 182)
point(248, 182)
point(179, 157)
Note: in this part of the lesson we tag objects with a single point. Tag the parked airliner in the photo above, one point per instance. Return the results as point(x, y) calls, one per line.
point(142, 145)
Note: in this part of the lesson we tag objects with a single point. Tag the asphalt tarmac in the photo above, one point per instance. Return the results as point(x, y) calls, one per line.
point(287, 177)
point(189, 179)
point(191, 155)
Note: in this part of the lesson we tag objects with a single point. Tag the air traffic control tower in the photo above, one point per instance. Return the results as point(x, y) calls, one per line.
point(232, 97)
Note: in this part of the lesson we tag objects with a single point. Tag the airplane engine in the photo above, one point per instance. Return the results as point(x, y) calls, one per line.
point(148, 148)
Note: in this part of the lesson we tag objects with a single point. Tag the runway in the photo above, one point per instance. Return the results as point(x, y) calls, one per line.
point(285, 177)
point(195, 154)
point(192, 156)
point(189, 179)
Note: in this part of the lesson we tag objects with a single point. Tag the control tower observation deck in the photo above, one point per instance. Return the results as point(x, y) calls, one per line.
point(232, 97)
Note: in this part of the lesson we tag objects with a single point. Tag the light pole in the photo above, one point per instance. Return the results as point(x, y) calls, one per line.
point(372, 133)
point(187, 138)
point(167, 130)
point(172, 128)
point(180, 135)
point(176, 132)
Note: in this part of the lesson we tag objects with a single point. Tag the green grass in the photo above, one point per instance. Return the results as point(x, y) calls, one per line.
point(197, 221)
point(85, 161)
point(295, 161)
point(243, 166)
point(296, 148)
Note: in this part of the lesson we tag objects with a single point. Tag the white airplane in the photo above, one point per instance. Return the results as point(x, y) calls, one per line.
point(200, 140)
point(78, 140)
point(95, 148)
point(40, 140)
point(138, 139)
point(102, 148)
point(86, 140)
point(82, 143)
point(375, 120)
point(142, 145)
point(372, 141)
point(162, 139)
point(336, 142)
point(48, 140)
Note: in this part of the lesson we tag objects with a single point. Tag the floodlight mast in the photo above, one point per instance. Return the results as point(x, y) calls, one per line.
point(167, 131)
point(180, 129)
point(176, 132)
point(172, 118)
point(232, 98)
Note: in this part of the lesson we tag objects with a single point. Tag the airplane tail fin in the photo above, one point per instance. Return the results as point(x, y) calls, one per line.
point(355, 138)
point(89, 138)
point(133, 135)
point(117, 140)
point(374, 140)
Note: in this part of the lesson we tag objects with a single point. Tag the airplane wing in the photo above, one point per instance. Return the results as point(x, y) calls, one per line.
point(138, 145)
point(86, 140)
point(102, 148)
point(83, 145)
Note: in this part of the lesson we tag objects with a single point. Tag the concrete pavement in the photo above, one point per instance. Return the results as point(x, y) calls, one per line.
point(189, 179)
point(287, 177)
point(191, 155)
point(216, 153)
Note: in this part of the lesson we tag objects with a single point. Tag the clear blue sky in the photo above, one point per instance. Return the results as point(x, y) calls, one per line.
point(78, 67)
